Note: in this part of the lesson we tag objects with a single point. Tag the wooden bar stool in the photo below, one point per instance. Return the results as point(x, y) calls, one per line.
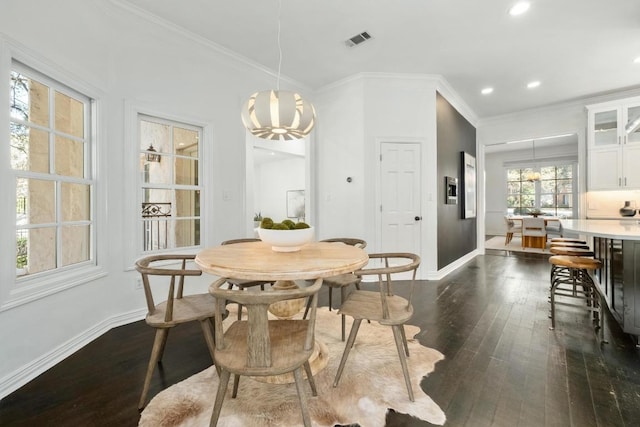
point(577, 284)
point(567, 240)
point(569, 245)
point(566, 251)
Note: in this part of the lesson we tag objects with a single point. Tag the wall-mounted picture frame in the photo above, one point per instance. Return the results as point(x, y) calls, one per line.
point(468, 185)
point(295, 204)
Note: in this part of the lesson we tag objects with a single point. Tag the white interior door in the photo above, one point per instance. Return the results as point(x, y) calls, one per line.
point(400, 214)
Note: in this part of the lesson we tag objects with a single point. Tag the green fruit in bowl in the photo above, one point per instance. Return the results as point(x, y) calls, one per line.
point(266, 223)
point(301, 225)
point(280, 226)
point(289, 224)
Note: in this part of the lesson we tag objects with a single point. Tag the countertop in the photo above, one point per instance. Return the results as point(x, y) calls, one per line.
point(623, 229)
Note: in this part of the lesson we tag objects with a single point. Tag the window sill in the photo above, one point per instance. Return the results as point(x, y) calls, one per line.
point(31, 290)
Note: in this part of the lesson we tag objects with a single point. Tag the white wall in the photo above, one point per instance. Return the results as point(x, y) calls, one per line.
point(126, 58)
point(358, 114)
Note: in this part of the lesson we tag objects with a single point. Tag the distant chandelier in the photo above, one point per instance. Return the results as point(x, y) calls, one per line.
point(534, 175)
point(278, 114)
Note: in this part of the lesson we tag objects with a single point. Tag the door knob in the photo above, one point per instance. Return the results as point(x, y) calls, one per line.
point(418, 218)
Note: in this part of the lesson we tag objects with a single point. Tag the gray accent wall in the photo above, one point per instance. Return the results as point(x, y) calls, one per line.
point(456, 236)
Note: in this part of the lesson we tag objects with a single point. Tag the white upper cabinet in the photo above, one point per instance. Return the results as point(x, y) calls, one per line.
point(614, 145)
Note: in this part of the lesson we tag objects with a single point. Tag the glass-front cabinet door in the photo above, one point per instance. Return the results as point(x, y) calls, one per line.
point(631, 131)
point(604, 127)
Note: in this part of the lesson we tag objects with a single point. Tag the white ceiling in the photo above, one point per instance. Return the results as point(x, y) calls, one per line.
point(575, 48)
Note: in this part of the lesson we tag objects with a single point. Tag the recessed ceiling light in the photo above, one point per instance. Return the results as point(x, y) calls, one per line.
point(486, 90)
point(532, 85)
point(519, 8)
point(637, 60)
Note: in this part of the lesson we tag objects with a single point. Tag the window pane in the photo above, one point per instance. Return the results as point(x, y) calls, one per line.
point(565, 186)
point(186, 171)
point(187, 203)
point(548, 172)
point(75, 244)
point(187, 233)
point(69, 115)
point(528, 187)
point(29, 149)
point(564, 171)
point(21, 251)
point(513, 174)
point(185, 142)
point(546, 200)
point(528, 200)
point(155, 172)
point(69, 157)
point(38, 200)
point(155, 134)
point(548, 186)
point(41, 250)
point(513, 187)
point(76, 202)
point(513, 201)
point(29, 100)
point(564, 200)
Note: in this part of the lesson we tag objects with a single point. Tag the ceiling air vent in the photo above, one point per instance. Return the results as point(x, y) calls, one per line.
point(357, 39)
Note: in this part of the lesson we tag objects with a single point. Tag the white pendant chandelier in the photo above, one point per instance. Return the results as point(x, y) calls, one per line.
point(278, 114)
point(533, 176)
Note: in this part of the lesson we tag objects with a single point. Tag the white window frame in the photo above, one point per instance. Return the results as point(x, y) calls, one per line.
point(171, 186)
point(133, 224)
point(536, 168)
point(15, 291)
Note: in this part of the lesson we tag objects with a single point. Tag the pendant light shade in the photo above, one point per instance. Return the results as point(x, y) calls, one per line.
point(278, 114)
point(535, 175)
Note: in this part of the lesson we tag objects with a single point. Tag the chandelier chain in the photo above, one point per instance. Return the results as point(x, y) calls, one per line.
point(279, 46)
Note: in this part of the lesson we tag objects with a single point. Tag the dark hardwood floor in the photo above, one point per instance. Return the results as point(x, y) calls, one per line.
point(502, 366)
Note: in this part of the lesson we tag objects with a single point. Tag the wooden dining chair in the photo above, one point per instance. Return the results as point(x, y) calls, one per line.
point(382, 305)
point(178, 308)
point(240, 283)
point(260, 346)
point(513, 227)
point(342, 281)
point(534, 234)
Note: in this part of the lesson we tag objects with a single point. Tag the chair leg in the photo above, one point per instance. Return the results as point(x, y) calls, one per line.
point(222, 390)
point(404, 340)
point(343, 297)
point(236, 383)
point(330, 298)
point(156, 353)
point(208, 336)
point(312, 381)
point(397, 335)
point(297, 375)
point(347, 349)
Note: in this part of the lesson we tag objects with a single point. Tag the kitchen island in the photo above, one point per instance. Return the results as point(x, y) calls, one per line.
point(617, 245)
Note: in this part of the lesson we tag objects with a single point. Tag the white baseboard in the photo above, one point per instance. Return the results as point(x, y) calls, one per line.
point(29, 371)
point(437, 275)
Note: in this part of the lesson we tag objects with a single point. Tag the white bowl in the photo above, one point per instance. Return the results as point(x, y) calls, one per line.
point(286, 240)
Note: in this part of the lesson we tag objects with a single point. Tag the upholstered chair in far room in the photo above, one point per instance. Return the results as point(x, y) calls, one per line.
point(239, 283)
point(553, 228)
point(161, 272)
point(382, 305)
point(342, 281)
point(262, 346)
point(534, 234)
point(513, 227)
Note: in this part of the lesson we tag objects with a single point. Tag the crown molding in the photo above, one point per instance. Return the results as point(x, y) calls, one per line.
point(224, 52)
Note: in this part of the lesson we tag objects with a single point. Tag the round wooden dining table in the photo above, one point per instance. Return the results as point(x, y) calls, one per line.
point(257, 261)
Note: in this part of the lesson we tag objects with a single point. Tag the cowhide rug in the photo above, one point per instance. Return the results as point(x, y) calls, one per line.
point(371, 383)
